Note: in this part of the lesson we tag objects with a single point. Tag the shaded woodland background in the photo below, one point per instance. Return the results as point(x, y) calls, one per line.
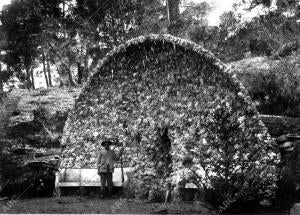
point(64, 40)
point(50, 48)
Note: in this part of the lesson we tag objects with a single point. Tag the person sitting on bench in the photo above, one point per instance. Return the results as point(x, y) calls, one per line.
point(105, 166)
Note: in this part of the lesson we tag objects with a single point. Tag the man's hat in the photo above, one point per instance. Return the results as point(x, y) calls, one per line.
point(109, 142)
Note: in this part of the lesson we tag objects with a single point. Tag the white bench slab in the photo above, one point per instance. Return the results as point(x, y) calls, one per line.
point(90, 178)
point(69, 184)
point(86, 178)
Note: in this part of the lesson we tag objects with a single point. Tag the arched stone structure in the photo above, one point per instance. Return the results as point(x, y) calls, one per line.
point(156, 82)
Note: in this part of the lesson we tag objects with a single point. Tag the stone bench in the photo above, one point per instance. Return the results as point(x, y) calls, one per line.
point(67, 178)
point(86, 178)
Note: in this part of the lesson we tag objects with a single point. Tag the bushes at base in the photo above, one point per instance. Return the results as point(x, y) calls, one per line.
point(276, 89)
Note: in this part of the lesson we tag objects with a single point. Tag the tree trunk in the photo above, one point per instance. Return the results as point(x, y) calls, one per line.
point(79, 69)
point(71, 80)
point(63, 2)
point(32, 78)
point(44, 69)
point(85, 69)
point(1, 80)
point(28, 82)
point(68, 68)
point(49, 73)
point(172, 10)
point(61, 83)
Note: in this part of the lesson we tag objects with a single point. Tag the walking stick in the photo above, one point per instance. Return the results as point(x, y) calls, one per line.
point(121, 163)
point(122, 171)
point(125, 129)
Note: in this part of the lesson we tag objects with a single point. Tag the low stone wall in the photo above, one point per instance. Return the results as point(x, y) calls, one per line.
point(279, 125)
point(284, 129)
point(289, 181)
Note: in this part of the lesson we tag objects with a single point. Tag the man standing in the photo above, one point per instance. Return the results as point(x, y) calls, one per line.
point(105, 165)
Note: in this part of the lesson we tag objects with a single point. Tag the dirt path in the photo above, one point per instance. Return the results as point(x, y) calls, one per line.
point(87, 205)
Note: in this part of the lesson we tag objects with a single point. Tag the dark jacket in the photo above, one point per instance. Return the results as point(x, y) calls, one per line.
point(107, 157)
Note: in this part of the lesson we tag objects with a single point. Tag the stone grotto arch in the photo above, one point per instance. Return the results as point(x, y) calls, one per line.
point(163, 84)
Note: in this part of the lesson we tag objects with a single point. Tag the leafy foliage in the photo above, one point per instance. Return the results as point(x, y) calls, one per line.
point(275, 89)
point(262, 34)
point(22, 23)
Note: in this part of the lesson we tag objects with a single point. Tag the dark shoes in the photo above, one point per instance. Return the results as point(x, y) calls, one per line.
point(102, 196)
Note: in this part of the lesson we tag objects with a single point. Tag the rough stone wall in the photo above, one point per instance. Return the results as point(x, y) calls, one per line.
point(289, 147)
point(78, 149)
point(157, 82)
point(281, 127)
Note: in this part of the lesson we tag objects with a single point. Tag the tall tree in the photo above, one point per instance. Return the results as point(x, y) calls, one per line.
point(44, 69)
point(49, 72)
point(196, 23)
point(1, 80)
point(277, 25)
point(173, 10)
point(174, 23)
point(4, 74)
point(102, 25)
point(23, 24)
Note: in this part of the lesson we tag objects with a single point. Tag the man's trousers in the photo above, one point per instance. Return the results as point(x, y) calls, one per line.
point(106, 177)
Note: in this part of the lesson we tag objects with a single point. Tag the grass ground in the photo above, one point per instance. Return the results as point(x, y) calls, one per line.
point(91, 205)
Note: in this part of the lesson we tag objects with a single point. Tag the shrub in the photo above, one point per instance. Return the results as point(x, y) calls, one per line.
point(276, 90)
point(33, 181)
point(44, 92)
point(236, 168)
point(41, 113)
point(3, 96)
point(51, 129)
